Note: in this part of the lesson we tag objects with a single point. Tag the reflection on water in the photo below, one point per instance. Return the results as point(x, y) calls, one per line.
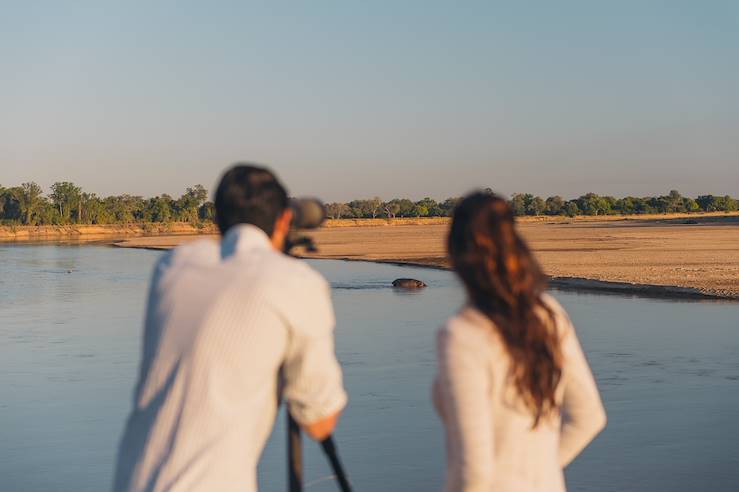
point(69, 339)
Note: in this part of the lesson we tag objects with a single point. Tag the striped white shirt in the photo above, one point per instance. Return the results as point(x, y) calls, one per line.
point(229, 328)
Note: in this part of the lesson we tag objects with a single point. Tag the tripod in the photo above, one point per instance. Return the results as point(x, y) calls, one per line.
point(295, 458)
point(294, 437)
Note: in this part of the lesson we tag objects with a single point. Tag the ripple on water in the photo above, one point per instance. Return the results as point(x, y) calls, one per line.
point(349, 286)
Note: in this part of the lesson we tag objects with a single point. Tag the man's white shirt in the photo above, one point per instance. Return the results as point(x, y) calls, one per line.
point(223, 320)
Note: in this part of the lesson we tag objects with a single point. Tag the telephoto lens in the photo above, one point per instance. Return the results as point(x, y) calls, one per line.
point(308, 213)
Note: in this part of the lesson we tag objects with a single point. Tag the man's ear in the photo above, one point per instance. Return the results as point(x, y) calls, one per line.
point(282, 229)
point(286, 219)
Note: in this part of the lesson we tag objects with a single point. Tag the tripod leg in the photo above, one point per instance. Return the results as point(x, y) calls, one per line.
point(329, 447)
point(294, 454)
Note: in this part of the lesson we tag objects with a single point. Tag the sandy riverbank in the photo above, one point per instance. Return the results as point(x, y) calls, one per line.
point(92, 232)
point(677, 256)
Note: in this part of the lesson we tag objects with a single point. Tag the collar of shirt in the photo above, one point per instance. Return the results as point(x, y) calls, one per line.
point(244, 238)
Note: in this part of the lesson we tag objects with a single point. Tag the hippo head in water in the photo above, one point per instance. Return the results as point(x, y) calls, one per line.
point(408, 283)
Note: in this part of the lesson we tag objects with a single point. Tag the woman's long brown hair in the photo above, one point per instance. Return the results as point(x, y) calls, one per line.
point(504, 281)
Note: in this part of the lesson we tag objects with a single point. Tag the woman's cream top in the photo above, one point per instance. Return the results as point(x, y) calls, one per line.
point(491, 445)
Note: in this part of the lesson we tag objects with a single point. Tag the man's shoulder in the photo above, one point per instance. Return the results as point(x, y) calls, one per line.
point(287, 269)
point(203, 249)
point(303, 296)
point(200, 252)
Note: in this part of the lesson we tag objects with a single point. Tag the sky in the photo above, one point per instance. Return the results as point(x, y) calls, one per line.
point(349, 99)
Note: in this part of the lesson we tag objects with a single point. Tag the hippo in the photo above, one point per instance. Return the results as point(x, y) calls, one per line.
point(408, 283)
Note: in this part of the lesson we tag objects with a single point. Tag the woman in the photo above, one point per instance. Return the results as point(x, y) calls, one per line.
point(514, 390)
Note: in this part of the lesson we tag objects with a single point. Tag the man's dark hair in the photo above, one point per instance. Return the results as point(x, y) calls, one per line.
point(249, 194)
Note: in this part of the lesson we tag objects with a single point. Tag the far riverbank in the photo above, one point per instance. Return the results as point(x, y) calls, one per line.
point(94, 232)
point(694, 256)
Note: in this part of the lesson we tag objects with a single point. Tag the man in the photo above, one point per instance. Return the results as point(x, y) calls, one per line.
point(229, 328)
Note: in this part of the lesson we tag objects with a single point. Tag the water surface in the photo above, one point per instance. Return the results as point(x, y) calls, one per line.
point(70, 321)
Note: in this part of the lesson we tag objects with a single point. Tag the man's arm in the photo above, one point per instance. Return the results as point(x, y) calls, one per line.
point(313, 379)
point(152, 323)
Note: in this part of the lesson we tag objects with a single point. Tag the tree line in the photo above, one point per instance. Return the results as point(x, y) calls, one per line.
point(66, 203)
point(528, 204)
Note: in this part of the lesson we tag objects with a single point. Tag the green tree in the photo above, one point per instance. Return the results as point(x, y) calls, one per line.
point(392, 208)
point(9, 207)
point(374, 206)
point(432, 208)
point(96, 212)
point(189, 203)
point(86, 200)
point(690, 205)
point(520, 202)
point(358, 208)
point(420, 211)
point(337, 210)
point(3, 198)
point(65, 196)
point(610, 202)
point(642, 206)
point(710, 203)
point(674, 202)
point(406, 207)
point(366, 208)
point(729, 204)
point(705, 202)
point(666, 204)
point(207, 212)
point(29, 197)
point(571, 209)
point(626, 205)
point(536, 206)
point(124, 208)
point(448, 206)
point(83, 217)
point(554, 205)
point(160, 208)
point(47, 213)
point(726, 204)
point(592, 204)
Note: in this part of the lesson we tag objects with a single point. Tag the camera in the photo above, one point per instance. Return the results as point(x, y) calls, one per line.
point(308, 213)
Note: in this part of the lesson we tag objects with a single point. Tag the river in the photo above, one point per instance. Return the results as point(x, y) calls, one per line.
point(70, 322)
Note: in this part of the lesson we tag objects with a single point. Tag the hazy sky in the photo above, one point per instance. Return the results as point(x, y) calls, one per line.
point(349, 99)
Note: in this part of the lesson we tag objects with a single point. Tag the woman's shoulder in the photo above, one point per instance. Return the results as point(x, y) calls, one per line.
point(553, 304)
point(561, 318)
point(467, 339)
point(566, 332)
point(468, 327)
point(467, 319)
